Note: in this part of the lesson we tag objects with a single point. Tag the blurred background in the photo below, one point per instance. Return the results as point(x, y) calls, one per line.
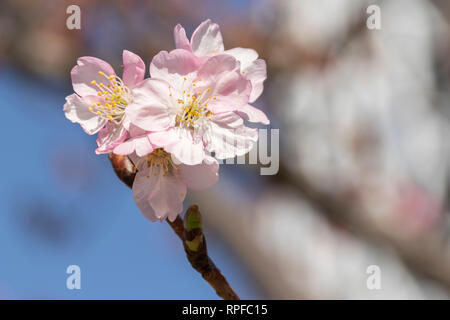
point(364, 161)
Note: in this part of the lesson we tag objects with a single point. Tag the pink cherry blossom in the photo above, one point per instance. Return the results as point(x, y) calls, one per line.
point(101, 97)
point(160, 185)
point(161, 182)
point(206, 41)
point(191, 106)
point(194, 103)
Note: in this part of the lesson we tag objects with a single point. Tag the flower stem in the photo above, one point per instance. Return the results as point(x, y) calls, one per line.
point(190, 233)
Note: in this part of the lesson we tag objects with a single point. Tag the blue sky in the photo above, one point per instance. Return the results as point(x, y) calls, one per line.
point(60, 204)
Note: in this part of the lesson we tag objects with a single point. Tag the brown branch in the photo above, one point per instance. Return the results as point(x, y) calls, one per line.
point(197, 254)
point(191, 234)
point(124, 168)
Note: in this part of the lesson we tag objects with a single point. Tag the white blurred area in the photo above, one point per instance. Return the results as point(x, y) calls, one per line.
point(366, 122)
point(363, 119)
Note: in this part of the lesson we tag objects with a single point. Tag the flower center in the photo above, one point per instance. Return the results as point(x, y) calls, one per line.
point(159, 159)
point(114, 97)
point(193, 111)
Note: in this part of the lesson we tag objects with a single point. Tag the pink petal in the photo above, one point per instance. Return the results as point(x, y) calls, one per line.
point(252, 68)
point(133, 68)
point(180, 144)
point(228, 120)
point(200, 176)
point(218, 65)
point(141, 145)
point(253, 114)
point(110, 137)
point(256, 73)
point(181, 41)
point(158, 196)
point(125, 148)
point(174, 65)
point(230, 88)
point(77, 110)
point(207, 39)
point(245, 56)
point(229, 143)
point(135, 131)
point(126, 123)
point(150, 109)
point(142, 188)
point(187, 151)
point(85, 71)
point(162, 138)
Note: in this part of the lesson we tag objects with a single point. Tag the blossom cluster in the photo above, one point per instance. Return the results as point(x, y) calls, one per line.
point(193, 105)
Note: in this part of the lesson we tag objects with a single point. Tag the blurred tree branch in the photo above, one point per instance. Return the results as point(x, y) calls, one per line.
point(191, 234)
point(424, 253)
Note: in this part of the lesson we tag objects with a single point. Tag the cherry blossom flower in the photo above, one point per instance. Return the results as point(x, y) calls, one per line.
point(160, 185)
point(194, 103)
point(206, 41)
point(101, 97)
point(191, 106)
point(161, 182)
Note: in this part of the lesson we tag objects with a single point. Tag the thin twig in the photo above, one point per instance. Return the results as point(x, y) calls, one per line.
point(197, 254)
point(191, 234)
